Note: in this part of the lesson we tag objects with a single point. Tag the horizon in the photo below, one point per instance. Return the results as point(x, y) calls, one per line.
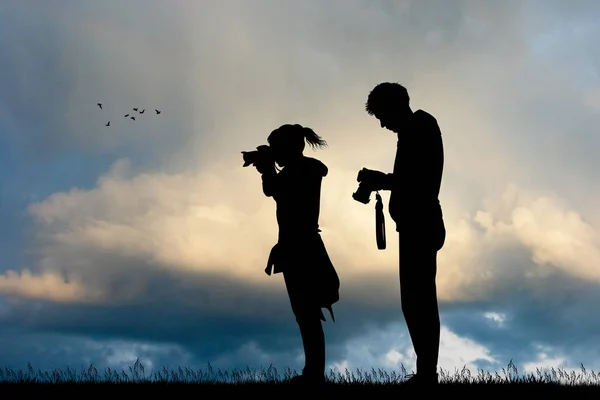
point(148, 239)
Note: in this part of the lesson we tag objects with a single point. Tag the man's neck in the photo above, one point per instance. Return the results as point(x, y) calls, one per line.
point(404, 129)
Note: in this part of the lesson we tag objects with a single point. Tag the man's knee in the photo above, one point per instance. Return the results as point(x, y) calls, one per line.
point(418, 270)
point(411, 297)
point(417, 292)
point(416, 282)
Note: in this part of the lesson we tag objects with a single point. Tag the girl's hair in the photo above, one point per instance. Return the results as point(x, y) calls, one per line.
point(295, 135)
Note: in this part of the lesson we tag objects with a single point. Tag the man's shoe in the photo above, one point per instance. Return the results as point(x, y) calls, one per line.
point(422, 379)
point(308, 380)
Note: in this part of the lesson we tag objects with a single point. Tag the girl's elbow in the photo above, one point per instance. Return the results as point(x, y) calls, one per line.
point(269, 185)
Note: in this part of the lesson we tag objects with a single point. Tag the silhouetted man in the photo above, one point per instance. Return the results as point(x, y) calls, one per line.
point(416, 210)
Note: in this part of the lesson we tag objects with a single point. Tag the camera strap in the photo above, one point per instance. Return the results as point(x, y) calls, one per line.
point(379, 223)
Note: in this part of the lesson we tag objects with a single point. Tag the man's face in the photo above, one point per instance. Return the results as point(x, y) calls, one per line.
point(392, 120)
point(389, 121)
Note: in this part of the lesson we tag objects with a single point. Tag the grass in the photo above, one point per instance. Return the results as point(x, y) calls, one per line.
point(138, 379)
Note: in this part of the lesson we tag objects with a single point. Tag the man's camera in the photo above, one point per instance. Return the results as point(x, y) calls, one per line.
point(261, 155)
point(363, 193)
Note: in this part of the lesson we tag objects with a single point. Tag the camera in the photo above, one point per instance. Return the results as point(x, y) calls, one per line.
point(262, 154)
point(363, 193)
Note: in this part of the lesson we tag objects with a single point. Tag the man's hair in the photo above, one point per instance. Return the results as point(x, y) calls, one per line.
point(386, 95)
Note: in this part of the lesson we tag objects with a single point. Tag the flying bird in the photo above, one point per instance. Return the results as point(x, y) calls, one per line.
point(157, 111)
point(126, 115)
point(107, 124)
point(141, 112)
point(100, 105)
point(135, 109)
point(132, 117)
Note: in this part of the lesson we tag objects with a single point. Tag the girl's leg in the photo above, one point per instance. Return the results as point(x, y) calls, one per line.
point(308, 316)
point(313, 340)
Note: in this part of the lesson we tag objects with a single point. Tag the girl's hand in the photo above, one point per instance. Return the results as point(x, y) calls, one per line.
point(265, 167)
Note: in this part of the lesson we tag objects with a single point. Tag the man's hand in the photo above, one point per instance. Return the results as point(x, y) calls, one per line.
point(376, 180)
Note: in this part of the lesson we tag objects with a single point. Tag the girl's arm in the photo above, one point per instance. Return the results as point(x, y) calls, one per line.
point(269, 183)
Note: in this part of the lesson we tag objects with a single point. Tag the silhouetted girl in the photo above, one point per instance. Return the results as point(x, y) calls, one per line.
point(310, 278)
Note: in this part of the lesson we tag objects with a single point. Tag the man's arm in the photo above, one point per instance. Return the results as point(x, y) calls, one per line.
point(377, 180)
point(387, 181)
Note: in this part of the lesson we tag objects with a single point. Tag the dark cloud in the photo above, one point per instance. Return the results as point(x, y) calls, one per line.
point(208, 315)
point(556, 316)
point(60, 351)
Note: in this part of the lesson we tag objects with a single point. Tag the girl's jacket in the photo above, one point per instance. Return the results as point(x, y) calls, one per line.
point(300, 250)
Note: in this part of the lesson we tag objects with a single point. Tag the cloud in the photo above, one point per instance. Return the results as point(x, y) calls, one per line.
point(189, 222)
point(390, 348)
point(140, 242)
point(45, 286)
point(167, 246)
point(480, 258)
point(53, 351)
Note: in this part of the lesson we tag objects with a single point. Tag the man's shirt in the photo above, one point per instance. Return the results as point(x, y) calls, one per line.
point(417, 175)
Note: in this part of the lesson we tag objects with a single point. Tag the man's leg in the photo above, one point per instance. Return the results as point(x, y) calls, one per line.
point(418, 267)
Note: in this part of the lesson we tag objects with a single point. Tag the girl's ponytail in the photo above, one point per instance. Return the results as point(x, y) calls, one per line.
point(313, 139)
point(295, 135)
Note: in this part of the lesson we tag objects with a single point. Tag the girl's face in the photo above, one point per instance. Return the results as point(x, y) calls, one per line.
point(280, 153)
point(283, 151)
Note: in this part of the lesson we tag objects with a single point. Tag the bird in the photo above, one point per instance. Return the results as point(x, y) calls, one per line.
point(100, 105)
point(133, 118)
point(135, 109)
point(126, 115)
point(157, 111)
point(107, 124)
point(141, 112)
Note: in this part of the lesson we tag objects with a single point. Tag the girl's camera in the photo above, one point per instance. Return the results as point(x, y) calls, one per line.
point(262, 154)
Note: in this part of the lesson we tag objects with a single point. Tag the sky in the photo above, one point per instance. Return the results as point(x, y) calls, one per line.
point(148, 239)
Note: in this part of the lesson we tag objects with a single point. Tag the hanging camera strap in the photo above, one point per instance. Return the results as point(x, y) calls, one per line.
point(379, 223)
